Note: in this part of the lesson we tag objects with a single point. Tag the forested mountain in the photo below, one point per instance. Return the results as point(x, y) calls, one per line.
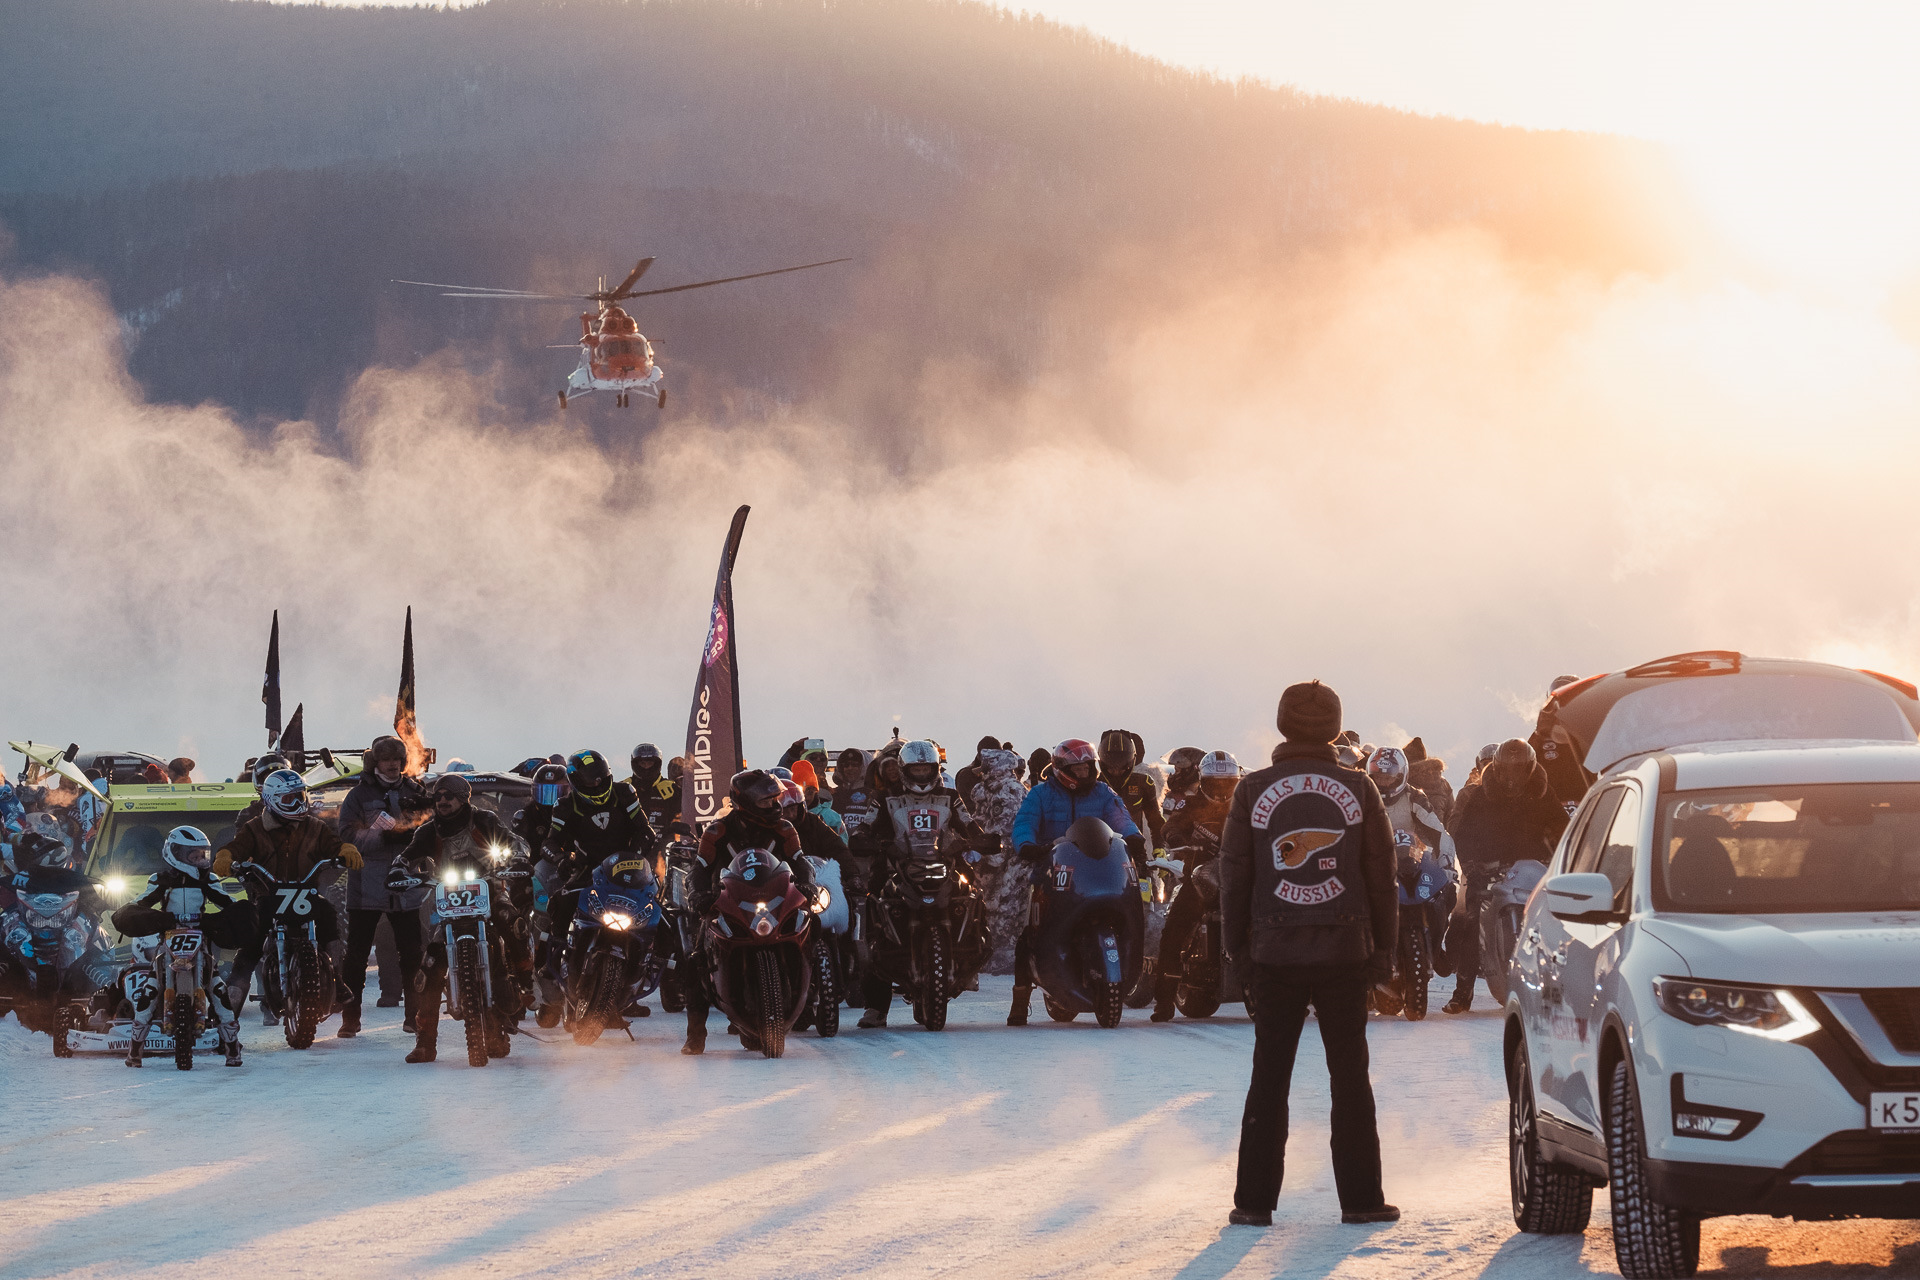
point(246, 178)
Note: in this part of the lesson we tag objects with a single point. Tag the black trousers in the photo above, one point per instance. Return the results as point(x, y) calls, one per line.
point(1281, 995)
point(1463, 935)
point(361, 923)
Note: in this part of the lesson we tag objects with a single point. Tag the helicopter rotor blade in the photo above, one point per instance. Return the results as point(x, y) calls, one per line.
point(623, 289)
point(488, 291)
point(702, 284)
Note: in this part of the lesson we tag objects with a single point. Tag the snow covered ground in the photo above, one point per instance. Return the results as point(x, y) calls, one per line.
point(1050, 1151)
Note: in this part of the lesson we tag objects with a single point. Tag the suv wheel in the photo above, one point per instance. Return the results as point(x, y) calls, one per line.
point(1547, 1199)
point(1650, 1240)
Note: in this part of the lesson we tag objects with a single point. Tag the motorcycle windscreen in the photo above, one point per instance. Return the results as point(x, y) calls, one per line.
point(1095, 879)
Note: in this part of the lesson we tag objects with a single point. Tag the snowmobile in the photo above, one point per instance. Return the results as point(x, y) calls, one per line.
point(832, 947)
point(1426, 879)
point(53, 956)
point(679, 931)
point(1501, 912)
point(761, 978)
point(300, 986)
point(612, 943)
point(1088, 952)
point(480, 995)
point(927, 922)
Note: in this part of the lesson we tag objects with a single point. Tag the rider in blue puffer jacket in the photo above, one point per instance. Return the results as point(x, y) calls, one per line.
point(1072, 790)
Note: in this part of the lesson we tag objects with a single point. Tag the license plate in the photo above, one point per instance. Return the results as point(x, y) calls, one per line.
point(1894, 1112)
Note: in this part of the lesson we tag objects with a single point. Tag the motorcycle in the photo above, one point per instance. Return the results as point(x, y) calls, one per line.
point(1157, 890)
point(300, 987)
point(928, 925)
point(678, 935)
point(1501, 911)
point(761, 978)
point(1207, 981)
point(480, 996)
point(613, 940)
point(1091, 924)
point(1426, 881)
point(832, 945)
point(549, 995)
point(183, 974)
point(52, 963)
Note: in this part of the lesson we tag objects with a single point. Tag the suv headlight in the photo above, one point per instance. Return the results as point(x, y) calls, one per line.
point(1769, 1012)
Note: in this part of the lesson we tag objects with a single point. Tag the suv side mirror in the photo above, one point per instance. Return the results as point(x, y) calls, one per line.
point(1581, 897)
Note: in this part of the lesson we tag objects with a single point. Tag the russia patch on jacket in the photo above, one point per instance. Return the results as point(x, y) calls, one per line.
point(1311, 826)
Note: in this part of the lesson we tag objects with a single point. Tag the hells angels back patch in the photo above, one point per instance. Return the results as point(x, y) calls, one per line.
point(1296, 848)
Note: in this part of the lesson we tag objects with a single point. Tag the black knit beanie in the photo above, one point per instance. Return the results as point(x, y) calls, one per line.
point(1309, 713)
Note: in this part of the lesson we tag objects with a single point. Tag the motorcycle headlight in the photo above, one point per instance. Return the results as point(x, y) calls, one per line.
point(499, 854)
point(116, 886)
point(822, 899)
point(616, 920)
point(452, 878)
point(471, 875)
point(1769, 1012)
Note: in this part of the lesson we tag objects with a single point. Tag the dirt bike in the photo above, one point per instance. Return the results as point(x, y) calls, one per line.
point(299, 984)
point(1087, 950)
point(928, 928)
point(183, 975)
point(678, 934)
point(479, 993)
point(610, 963)
point(1157, 890)
point(761, 975)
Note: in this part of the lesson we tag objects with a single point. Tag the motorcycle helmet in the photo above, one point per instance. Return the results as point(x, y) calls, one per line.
point(1219, 775)
point(781, 772)
point(1117, 754)
point(793, 799)
point(1073, 763)
point(755, 794)
point(1512, 767)
point(267, 764)
point(646, 762)
point(284, 793)
point(549, 785)
point(590, 775)
point(1387, 766)
point(188, 851)
point(1183, 764)
point(920, 766)
point(32, 849)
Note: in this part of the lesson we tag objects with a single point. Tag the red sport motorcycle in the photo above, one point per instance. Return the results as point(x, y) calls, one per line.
point(757, 940)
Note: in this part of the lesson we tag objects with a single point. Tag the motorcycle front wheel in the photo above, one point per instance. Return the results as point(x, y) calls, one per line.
point(302, 1013)
point(826, 991)
point(184, 1031)
point(933, 992)
point(771, 993)
point(473, 999)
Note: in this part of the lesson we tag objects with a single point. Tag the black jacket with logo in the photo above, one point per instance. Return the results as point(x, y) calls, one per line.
point(1307, 864)
point(1137, 792)
point(584, 833)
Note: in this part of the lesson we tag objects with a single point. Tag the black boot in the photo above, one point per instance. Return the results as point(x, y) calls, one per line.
point(350, 1021)
point(872, 1018)
point(1461, 1002)
point(233, 1052)
point(1165, 988)
point(426, 1041)
point(133, 1054)
point(1022, 999)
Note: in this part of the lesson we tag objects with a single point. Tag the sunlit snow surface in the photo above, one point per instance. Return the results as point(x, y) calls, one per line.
point(1050, 1151)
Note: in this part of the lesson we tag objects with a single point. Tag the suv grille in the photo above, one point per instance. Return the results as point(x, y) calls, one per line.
point(1897, 1010)
point(1862, 1151)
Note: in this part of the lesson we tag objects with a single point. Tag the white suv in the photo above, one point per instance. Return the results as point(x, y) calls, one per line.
point(1714, 1003)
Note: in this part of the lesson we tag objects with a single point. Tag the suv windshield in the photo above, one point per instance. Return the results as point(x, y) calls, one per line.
point(133, 839)
point(1783, 850)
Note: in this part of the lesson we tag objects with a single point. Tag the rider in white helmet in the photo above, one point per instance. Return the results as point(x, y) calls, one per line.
point(187, 863)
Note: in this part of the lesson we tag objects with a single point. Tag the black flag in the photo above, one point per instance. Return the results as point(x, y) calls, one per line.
point(714, 752)
point(405, 727)
point(270, 687)
point(293, 743)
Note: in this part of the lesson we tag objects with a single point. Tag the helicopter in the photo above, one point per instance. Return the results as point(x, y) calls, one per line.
point(614, 355)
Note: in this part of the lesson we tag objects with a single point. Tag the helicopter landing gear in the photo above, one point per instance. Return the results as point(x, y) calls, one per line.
point(563, 401)
point(660, 398)
point(620, 401)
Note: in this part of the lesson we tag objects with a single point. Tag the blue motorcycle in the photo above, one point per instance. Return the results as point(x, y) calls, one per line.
point(1428, 883)
point(1091, 926)
point(610, 961)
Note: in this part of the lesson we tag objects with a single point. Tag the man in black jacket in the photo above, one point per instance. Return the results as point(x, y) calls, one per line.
point(599, 817)
point(378, 818)
point(1120, 751)
point(1307, 895)
point(1511, 814)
